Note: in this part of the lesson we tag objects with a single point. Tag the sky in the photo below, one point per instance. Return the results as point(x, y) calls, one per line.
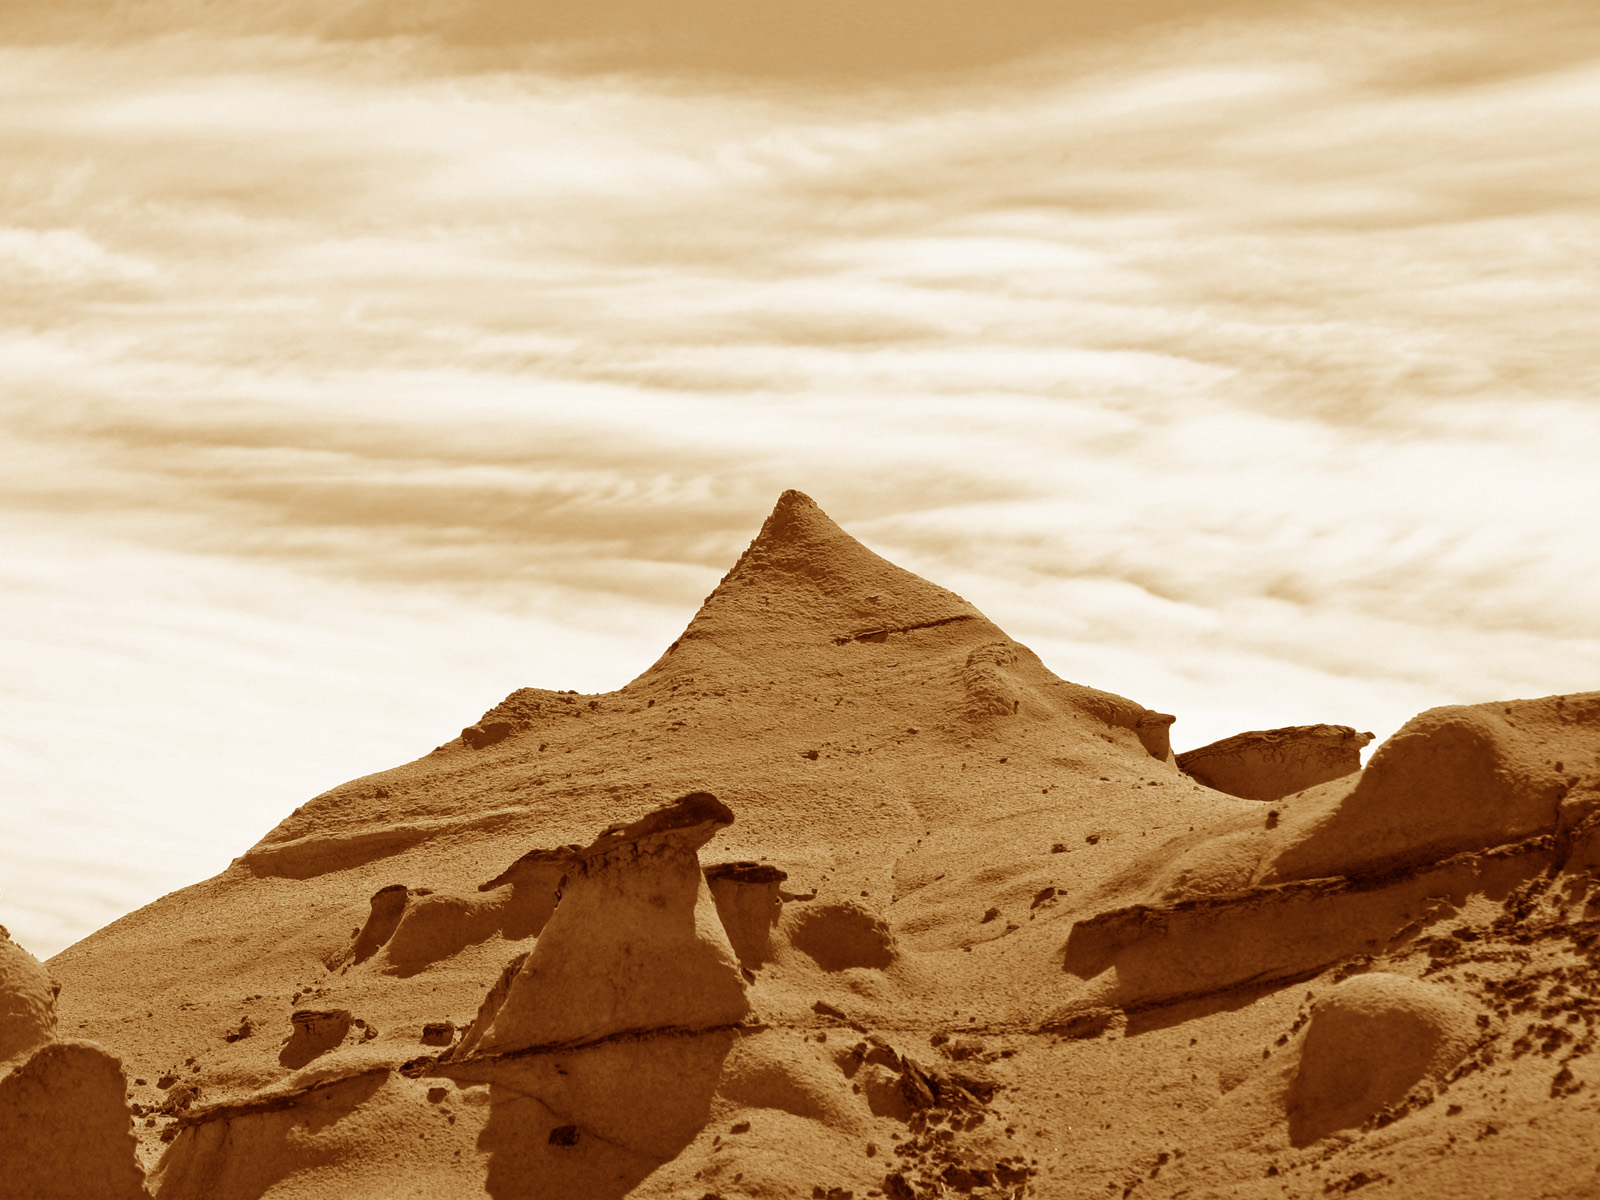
point(361, 363)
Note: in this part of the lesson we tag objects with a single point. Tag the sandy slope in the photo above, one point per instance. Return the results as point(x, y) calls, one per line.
point(992, 941)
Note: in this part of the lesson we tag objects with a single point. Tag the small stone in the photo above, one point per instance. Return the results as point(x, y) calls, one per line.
point(564, 1135)
point(486, 733)
point(438, 1033)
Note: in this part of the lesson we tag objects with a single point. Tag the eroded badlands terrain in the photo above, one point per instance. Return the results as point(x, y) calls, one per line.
point(848, 895)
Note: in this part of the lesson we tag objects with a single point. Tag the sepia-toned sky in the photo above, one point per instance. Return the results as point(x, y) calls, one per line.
point(361, 362)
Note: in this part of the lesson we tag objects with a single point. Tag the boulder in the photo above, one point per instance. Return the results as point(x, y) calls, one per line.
point(27, 1002)
point(1371, 1040)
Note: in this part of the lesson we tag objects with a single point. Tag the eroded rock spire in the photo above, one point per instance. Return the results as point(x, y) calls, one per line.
point(635, 944)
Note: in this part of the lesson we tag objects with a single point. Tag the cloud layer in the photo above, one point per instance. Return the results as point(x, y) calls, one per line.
point(1242, 368)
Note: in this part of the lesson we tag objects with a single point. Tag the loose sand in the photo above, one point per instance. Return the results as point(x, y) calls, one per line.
point(848, 895)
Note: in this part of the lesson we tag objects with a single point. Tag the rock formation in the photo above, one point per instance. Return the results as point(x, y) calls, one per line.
point(408, 929)
point(27, 1002)
point(635, 944)
point(1268, 764)
point(313, 1033)
point(748, 905)
point(1371, 1040)
point(65, 1129)
point(975, 932)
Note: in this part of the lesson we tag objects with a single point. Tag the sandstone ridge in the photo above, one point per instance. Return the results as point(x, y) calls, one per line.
point(1268, 764)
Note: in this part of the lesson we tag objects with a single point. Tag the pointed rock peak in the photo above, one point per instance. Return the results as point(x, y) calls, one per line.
point(804, 579)
point(791, 514)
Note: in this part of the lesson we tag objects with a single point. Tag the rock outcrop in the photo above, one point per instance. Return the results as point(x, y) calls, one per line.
point(635, 944)
point(1452, 779)
point(408, 929)
point(313, 1032)
point(65, 1129)
point(27, 1002)
point(842, 934)
point(1371, 1040)
point(746, 895)
point(1268, 764)
point(991, 868)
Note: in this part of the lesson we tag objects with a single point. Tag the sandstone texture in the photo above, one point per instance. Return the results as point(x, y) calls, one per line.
point(1268, 764)
point(27, 1002)
point(635, 945)
point(66, 1131)
point(879, 906)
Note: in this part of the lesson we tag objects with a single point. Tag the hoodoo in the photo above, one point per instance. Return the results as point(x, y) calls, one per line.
point(974, 932)
point(635, 944)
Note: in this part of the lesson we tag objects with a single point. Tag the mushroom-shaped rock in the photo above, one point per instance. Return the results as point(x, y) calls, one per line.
point(27, 1001)
point(746, 895)
point(635, 944)
point(65, 1129)
point(1154, 731)
point(1268, 764)
point(1370, 1041)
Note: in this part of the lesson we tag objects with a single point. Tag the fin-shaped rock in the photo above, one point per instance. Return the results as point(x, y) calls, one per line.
point(1268, 764)
point(635, 944)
